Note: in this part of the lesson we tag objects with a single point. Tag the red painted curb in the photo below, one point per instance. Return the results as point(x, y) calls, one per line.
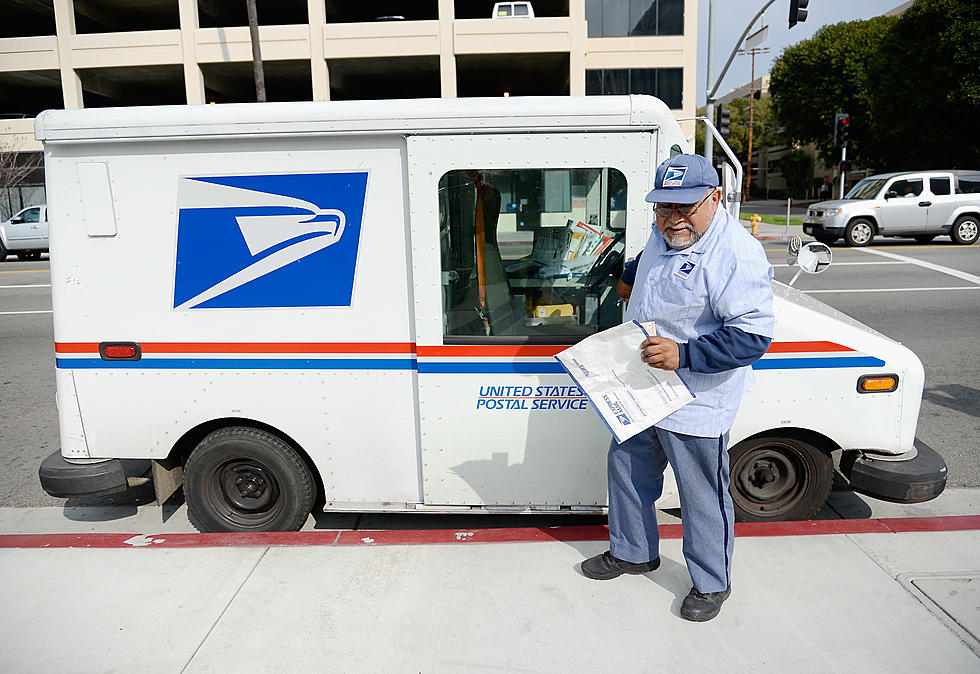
point(450, 536)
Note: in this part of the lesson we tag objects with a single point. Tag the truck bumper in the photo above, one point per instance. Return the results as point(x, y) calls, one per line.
point(63, 479)
point(920, 478)
point(821, 229)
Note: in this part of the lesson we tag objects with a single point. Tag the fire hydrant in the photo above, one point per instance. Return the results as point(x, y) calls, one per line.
point(755, 220)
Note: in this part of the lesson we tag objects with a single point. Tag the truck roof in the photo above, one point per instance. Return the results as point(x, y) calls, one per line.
point(432, 115)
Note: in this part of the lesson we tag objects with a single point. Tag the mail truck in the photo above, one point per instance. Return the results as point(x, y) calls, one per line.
point(356, 305)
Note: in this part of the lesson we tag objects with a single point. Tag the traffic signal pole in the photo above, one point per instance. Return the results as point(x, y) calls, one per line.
point(709, 103)
point(843, 163)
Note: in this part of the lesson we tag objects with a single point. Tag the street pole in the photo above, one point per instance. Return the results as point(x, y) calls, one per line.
point(709, 104)
point(843, 158)
point(257, 69)
point(748, 171)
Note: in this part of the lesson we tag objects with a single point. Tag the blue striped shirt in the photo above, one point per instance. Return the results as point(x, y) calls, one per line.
point(723, 280)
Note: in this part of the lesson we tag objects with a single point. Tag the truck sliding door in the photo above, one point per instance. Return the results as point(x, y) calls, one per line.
point(518, 241)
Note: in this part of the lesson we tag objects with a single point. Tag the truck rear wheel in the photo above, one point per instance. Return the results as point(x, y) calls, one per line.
point(775, 479)
point(859, 232)
point(965, 230)
point(244, 479)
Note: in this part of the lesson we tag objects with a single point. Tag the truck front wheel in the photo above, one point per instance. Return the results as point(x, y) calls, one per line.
point(244, 479)
point(775, 479)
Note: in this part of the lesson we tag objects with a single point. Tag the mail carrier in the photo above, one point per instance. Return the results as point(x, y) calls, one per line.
point(357, 304)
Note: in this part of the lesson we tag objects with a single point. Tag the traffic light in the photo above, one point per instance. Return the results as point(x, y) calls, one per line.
point(845, 166)
point(842, 129)
point(797, 11)
point(723, 121)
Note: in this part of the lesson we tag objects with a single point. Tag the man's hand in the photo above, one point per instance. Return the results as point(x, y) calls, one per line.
point(661, 353)
point(623, 291)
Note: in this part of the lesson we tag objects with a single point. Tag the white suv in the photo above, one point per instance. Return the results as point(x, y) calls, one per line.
point(917, 204)
point(25, 234)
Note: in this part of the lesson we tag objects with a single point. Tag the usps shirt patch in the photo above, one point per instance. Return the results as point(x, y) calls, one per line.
point(674, 176)
point(685, 269)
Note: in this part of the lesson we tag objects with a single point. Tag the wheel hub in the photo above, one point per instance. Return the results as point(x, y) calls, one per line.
point(247, 486)
point(767, 477)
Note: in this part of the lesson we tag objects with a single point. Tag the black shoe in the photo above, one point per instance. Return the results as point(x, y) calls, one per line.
point(607, 567)
point(700, 607)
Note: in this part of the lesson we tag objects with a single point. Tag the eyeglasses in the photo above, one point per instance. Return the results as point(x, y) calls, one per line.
point(686, 210)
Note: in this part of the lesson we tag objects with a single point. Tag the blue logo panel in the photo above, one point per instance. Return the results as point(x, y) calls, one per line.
point(287, 240)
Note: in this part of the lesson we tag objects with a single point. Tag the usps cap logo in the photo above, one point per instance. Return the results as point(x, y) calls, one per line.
point(674, 176)
point(282, 240)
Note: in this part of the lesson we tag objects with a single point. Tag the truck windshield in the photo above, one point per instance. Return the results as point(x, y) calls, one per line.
point(866, 189)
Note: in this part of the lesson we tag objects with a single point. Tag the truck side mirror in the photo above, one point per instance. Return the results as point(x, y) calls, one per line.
point(890, 194)
point(812, 258)
point(16, 221)
point(815, 257)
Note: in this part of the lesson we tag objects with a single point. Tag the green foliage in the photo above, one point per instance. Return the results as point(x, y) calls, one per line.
point(766, 131)
point(911, 85)
point(927, 103)
point(797, 168)
point(817, 78)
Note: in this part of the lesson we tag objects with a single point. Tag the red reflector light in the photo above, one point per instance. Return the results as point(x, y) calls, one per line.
point(119, 351)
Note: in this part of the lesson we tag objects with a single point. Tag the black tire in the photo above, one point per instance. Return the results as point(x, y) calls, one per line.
point(3, 252)
point(29, 255)
point(859, 232)
point(778, 479)
point(924, 238)
point(965, 230)
point(244, 479)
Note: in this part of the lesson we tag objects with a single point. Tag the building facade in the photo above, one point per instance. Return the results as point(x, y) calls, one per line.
point(99, 53)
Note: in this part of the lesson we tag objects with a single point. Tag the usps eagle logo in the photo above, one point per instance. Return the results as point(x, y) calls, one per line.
point(674, 176)
point(284, 240)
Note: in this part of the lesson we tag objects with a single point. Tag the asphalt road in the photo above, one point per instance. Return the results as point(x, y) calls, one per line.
point(933, 310)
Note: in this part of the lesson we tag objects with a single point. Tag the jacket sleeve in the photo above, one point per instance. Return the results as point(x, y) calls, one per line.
point(726, 348)
point(629, 271)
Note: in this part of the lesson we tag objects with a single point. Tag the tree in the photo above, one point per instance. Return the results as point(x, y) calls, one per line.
point(797, 168)
point(829, 73)
point(766, 128)
point(926, 93)
point(14, 168)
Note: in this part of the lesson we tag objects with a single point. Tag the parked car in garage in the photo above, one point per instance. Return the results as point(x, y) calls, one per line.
point(25, 234)
point(917, 204)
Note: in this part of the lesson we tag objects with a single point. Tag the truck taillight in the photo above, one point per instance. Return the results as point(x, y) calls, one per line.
point(877, 383)
point(120, 351)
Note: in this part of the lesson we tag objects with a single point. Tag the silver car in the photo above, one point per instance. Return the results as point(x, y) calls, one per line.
point(25, 234)
point(917, 204)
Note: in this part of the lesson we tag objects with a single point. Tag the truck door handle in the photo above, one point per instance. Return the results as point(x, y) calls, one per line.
point(925, 203)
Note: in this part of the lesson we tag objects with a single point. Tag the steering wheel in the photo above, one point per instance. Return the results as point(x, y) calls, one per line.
point(606, 262)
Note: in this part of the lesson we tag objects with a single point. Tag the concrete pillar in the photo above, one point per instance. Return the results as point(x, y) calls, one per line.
point(447, 49)
point(578, 32)
point(193, 77)
point(317, 13)
point(71, 84)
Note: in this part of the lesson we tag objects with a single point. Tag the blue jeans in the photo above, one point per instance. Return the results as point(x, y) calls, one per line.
point(636, 481)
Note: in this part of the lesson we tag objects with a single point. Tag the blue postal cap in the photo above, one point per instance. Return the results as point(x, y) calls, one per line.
point(683, 179)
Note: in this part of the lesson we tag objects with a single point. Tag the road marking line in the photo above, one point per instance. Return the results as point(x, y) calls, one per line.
point(27, 271)
point(13, 313)
point(888, 290)
point(853, 264)
point(928, 265)
point(33, 285)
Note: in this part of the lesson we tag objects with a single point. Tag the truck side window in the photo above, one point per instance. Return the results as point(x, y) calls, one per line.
point(31, 215)
point(531, 254)
point(939, 186)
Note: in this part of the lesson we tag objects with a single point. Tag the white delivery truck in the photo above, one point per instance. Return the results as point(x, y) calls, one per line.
point(361, 301)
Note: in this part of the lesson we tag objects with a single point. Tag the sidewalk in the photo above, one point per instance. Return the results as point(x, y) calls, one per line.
point(773, 233)
point(879, 593)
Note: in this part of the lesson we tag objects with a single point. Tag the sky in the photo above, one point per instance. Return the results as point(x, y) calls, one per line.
point(732, 16)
